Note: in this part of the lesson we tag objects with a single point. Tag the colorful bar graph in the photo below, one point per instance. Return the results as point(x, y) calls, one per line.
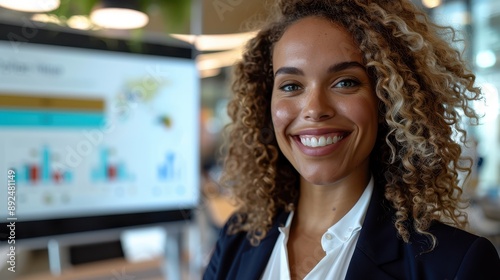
point(40, 172)
point(109, 172)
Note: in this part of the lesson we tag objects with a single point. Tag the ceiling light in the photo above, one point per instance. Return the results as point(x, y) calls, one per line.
point(31, 6)
point(207, 73)
point(218, 60)
point(46, 18)
point(431, 3)
point(119, 15)
point(79, 22)
point(216, 42)
point(488, 107)
point(486, 59)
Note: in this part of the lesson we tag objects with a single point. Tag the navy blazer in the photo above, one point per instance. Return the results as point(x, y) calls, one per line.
point(379, 253)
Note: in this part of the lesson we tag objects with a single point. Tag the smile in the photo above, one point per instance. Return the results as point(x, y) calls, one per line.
point(321, 141)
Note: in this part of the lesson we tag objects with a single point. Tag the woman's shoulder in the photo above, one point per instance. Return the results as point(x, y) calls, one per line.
point(234, 248)
point(440, 228)
point(448, 239)
point(457, 250)
point(232, 243)
point(227, 235)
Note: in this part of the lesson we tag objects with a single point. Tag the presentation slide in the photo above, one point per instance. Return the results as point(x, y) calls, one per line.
point(94, 132)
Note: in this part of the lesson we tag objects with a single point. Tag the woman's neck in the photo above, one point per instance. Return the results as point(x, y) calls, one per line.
point(320, 207)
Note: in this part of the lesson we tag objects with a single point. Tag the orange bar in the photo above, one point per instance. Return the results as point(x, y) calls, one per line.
point(49, 102)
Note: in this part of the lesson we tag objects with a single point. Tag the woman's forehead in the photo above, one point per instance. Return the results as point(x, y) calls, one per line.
point(316, 36)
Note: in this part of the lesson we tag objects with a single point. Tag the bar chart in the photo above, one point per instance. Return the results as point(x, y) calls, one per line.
point(110, 168)
point(41, 166)
point(170, 169)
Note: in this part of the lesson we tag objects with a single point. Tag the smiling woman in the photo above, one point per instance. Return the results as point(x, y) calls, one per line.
point(363, 97)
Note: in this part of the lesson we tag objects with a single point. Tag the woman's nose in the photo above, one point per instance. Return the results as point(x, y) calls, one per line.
point(317, 106)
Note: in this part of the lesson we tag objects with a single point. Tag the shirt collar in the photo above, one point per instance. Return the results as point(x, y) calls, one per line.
point(352, 222)
point(348, 225)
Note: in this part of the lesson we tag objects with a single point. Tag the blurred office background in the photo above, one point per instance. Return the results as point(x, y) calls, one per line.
point(218, 30)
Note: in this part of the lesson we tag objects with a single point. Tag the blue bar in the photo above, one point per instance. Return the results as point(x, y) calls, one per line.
point(100, 173)
point(26, 174)
point(67, 177)
point(21, 175)
point(96, 175)
point(45, 165)
point(104, 164)
point(13, 118)
point(166, 171)
point(162, 172)
point(77, 119)
point(121, 172)
point(51, 118)
point(170, 164)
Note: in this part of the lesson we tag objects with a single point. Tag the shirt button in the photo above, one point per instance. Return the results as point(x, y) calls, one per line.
point(328, 236)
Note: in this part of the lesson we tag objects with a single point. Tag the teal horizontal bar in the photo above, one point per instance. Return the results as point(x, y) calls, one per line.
point(50, 118)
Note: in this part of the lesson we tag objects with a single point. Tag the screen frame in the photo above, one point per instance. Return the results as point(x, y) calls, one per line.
point(30, 33)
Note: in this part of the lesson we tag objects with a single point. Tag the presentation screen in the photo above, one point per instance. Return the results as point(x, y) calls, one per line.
point(95, 133)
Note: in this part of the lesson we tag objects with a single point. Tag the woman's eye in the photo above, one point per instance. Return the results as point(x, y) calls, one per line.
point(347, 83)
point(289, 87)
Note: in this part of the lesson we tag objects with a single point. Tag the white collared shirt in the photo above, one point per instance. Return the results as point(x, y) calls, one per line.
point(338, 242)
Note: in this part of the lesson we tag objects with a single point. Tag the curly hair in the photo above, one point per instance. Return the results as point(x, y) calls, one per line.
point(424, 88)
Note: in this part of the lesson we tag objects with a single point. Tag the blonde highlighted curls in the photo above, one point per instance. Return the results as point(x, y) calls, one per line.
point(424, 89)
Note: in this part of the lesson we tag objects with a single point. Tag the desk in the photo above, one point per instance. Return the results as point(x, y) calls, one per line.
point(34, 265)
point(118, 269)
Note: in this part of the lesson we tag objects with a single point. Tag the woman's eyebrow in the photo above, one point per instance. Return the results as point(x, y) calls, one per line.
point(333, 68)
point(345, 65)
point(288, 70)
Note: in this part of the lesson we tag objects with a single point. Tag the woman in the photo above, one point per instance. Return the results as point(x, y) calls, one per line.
point(341, 150)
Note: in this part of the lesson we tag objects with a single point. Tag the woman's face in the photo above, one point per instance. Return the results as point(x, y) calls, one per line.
point(323, 106)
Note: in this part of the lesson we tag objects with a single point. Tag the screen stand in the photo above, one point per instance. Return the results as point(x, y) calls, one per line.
point(55, 260)
point(172, 265)
point(163, 242)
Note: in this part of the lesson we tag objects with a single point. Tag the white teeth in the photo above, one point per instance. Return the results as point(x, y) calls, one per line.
point(314, 142)
point(321, 142)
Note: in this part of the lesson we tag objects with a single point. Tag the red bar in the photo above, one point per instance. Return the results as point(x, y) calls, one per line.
point(111, 172)
point(57, 177)
point(34, 174)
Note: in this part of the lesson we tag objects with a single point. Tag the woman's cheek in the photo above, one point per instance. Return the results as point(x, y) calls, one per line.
point(282, 113)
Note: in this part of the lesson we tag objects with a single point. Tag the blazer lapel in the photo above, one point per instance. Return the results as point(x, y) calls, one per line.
point(378, 253)
point(254, 260)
